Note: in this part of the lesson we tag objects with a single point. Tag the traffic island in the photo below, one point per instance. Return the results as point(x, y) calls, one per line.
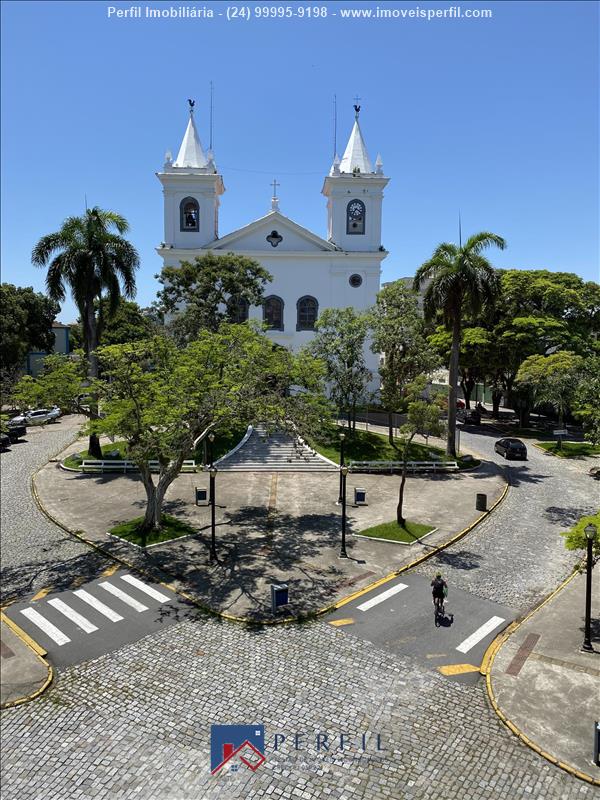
point(544, 687)
point(270, 528)
point(25, 673)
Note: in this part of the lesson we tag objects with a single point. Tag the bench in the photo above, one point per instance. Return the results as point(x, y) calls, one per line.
point(116, 465)
point(396, 466)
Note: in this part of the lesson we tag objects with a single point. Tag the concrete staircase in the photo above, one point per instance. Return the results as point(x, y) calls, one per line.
point(275, 452)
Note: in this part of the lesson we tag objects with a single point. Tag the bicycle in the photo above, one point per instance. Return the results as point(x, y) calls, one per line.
point(439, 610)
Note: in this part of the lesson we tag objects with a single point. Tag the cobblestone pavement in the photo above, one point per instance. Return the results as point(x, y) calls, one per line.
point(517, 556)
point(136, 724)
point(31, 544)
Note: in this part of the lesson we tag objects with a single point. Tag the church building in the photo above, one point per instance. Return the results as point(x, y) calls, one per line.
point(310, 273)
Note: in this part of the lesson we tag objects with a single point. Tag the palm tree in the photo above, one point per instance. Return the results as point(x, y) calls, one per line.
point(460, 281)
point(95, 262)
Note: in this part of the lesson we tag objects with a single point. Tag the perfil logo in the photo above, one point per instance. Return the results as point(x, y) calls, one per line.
point(232, 746)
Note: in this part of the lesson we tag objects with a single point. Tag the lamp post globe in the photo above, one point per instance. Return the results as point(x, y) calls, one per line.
point(590, 535)
point(211, 439)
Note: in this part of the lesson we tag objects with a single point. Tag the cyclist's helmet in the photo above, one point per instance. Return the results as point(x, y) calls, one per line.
point(438, 575)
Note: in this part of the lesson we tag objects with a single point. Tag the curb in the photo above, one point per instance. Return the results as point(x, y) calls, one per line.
point(38, 652)
point(417, 561)
point(486, 669)
point(248, 620)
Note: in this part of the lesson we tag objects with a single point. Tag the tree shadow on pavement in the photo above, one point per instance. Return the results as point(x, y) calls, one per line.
point(567, 517)
point(461, 559)
point(257, 549)
point(20, 582)
point(519, 475)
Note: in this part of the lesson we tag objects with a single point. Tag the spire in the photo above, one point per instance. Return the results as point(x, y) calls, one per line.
point(275, 199)
point(355, 156)
point(191, 153)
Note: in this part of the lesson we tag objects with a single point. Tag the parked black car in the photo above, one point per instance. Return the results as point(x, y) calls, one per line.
point(511, 448)
point(472, 417)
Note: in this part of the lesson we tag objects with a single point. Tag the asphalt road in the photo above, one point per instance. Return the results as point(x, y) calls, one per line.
point(399, 617)
point(99, 617)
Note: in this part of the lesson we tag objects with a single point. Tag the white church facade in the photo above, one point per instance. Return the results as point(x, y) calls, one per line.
point(310, 273)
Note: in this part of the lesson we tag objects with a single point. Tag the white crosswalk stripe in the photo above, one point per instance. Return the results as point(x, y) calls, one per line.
point(98, 605)
point(380, 598)
point(130, 601)
point(479, 634)
point(44, 625)
point(73, 615)
point(154, 593)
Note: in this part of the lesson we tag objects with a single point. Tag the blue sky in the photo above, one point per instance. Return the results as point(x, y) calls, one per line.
point(496, 117)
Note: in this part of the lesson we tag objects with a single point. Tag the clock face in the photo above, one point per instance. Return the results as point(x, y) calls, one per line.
point(355, 209)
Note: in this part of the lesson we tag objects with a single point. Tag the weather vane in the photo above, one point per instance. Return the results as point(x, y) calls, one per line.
point(192, 104)
point(356, 107)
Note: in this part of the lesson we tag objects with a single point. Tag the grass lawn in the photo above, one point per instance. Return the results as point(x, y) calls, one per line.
point(223, 443)
point(171, 528)
point(410, 532)
point(120, 448)
point(367, 446)
point(571, 449)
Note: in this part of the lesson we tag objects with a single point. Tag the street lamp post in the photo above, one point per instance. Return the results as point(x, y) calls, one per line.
point(343, 474)
point(342, 440)
point(213, 543)
point(590, 535)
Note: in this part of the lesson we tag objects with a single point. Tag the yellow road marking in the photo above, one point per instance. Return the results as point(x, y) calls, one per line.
point(338, 622)
point(25, 637)
point(42, 593)
point(111, 570)
point(78, 582)
point(457, 669)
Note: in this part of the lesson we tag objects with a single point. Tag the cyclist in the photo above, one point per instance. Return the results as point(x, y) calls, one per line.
point(439, 590)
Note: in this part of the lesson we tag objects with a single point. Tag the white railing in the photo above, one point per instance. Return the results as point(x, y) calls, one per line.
point(411, 466)
point(124, 465)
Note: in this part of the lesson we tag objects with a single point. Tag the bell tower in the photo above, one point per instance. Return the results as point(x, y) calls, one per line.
point(354, 192)
point(191, 189)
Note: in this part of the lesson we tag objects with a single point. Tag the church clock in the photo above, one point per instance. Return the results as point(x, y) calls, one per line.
point(355, 217)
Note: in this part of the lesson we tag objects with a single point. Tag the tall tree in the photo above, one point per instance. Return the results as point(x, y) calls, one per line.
point(586, 403)
point(161, 398)
point(423, 418)
point(552, 379)
point(460, 281)
point(399, 335)
point(27, 318)
point(94, 262)
point(339, 342)
point(201, 294)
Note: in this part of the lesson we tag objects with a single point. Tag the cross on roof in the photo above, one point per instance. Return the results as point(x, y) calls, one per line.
point(275, 184)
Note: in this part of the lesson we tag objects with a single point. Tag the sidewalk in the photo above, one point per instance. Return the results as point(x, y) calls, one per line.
point(24, 672)
point(546, 686)
point(271, 528)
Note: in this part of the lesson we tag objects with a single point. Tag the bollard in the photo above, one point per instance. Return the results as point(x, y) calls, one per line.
point(481, 502)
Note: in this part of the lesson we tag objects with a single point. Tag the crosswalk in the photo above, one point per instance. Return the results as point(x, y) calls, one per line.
point(98, 617)
point(399, 616)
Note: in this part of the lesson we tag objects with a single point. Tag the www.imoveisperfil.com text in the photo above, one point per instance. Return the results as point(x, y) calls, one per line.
point(241, 13)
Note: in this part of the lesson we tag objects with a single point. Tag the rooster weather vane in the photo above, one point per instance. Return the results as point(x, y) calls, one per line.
point(192, 103)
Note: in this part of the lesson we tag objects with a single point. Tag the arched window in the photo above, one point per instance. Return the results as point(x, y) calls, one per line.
point(189, 215)
point(273, 313)
point(308, 311)
point(355, 217)
point(238, 310)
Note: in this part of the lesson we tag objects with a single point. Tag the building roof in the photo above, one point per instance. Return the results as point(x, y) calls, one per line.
point(191, 153)
point(355, 155)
